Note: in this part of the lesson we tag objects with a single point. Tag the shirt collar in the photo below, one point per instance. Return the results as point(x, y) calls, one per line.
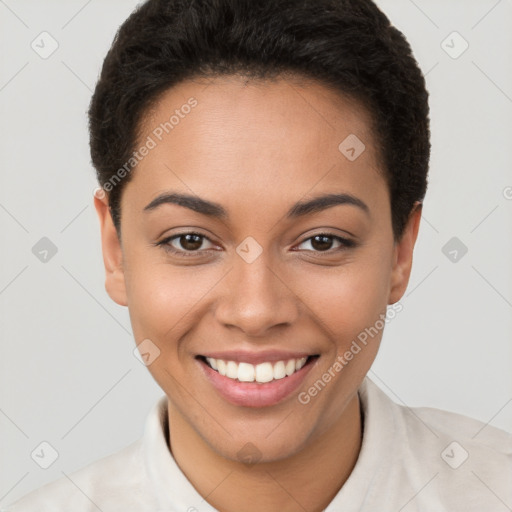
point(380, 435)
point(172, 489)
point(175, 492)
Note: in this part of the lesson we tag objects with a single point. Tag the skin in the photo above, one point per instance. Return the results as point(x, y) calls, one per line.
point(257, 148)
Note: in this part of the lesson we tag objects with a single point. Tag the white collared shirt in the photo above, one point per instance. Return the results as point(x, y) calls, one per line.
point(416, 459)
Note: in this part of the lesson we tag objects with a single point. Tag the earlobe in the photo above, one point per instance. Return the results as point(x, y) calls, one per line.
point(403, 256)
point(112, 253)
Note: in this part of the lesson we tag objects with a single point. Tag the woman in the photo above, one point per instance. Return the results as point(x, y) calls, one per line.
point(262, 167)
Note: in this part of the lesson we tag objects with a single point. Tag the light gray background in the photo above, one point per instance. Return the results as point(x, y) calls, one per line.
point(68, 373)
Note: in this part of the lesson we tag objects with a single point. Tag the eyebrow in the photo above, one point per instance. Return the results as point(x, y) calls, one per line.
point(299, 209)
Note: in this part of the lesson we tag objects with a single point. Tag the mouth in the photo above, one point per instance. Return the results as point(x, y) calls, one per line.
point(256, 385)
point(266, 371)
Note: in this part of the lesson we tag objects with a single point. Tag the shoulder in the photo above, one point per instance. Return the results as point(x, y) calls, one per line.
point(476, 429)
point(423, 427)
point(465, 436)
point(104, 481)
point(455, 459)
point(471, 461)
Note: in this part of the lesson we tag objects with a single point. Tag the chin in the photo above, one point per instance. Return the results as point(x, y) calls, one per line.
point(260, 449)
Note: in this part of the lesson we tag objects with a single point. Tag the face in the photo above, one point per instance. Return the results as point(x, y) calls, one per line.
point(256, 279)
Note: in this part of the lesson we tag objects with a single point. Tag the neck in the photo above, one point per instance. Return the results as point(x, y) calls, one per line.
point(307, 480)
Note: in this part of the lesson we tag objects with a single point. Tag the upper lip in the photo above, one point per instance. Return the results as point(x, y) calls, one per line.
point(244, 356)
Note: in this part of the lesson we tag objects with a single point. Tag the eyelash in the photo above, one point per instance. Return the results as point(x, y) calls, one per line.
point(165, 244)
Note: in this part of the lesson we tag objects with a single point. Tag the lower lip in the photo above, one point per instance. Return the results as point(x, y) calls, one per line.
point(254, 394)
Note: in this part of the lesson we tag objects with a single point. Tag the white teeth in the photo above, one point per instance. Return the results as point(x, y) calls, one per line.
point(231, 370)
point(263, 372)
point(279, 370)
point(290, 367)
point(221, 366)
point(299, 363)
point(245, 372)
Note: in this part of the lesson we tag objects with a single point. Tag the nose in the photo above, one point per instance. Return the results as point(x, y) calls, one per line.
point(255, 298)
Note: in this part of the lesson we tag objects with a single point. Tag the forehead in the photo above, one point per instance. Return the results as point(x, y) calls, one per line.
point(234, 109)
point(271, 139)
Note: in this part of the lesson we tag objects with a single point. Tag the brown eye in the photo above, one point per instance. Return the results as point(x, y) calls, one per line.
point(186, 244)
point(190, 241)
point(323, 242)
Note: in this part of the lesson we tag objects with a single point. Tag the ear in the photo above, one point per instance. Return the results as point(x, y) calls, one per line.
point(403, 252)
point(112, 251)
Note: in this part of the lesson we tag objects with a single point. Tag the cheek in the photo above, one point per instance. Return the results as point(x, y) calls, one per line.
point(160, 304)
point(157, 304)
point(163, 301)
point(351, 299)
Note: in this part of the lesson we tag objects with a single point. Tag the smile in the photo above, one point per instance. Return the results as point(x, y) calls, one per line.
point(262, 384)
point(263, 372)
